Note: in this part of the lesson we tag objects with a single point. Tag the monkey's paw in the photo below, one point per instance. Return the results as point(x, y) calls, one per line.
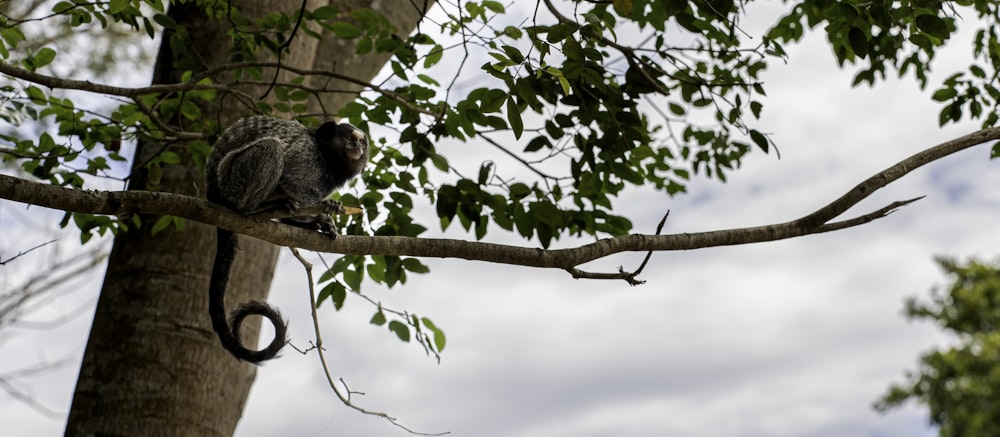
point(324, 224)
point(332, 207)
point(320, 223)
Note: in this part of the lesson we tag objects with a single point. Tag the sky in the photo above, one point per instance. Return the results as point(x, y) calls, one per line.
point(788, 338)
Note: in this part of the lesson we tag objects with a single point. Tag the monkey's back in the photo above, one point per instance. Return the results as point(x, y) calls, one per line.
point(302, 176)
point(250, 129)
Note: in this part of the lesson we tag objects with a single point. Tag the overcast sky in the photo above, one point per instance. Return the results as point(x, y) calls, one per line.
point(790, 338)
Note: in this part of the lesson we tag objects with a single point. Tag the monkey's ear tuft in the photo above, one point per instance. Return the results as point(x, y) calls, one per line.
point(327, 131)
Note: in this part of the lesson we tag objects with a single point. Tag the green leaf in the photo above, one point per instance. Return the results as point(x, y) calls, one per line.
point(190, 110)
point(324, 12)
point(519, 191)
point(168, 157)
point(514, 54)
point(623, 7)
point(493, 100)
point(564, 84)
point(378, 319)
point(178, 223)
point(345, 30)
point(154, 174)
point(44, 57)
point(165, 21)
point(157, 4)
point(514, 117)
point(116, 6)
point(352, 277)
point(62, 7)
point(760, 140)
point(858, 41)
point(402, 331)
point(46, 143)
point(933, 25)
point(148, 27)
point(559, 32)
point(537, 143)
point(434, 56)
point(427, 79)
point(414, 265)
point(546, 212)
point(161, 224)
point(336, 292)
point(702, 102)
point(944, 94)
point(485, 169)
point(36, 95)
point(493, 6)
point(439, 339)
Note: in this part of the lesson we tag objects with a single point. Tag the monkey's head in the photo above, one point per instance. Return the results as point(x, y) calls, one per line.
point(349, 140)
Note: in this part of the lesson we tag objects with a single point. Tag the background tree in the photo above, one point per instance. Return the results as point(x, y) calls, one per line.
point(958, 384)
point(597, 133)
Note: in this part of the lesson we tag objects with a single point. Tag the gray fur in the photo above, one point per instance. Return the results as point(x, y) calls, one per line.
point(260, 164)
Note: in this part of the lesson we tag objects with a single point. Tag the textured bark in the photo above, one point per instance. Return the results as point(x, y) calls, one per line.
point(153, 366)
point(337, 55)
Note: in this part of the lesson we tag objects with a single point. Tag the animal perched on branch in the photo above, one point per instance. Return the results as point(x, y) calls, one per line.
point(263, 164)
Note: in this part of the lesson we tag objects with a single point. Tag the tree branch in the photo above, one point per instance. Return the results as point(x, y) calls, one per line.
point(143, 202)
point(896, 171)
point(135, 93)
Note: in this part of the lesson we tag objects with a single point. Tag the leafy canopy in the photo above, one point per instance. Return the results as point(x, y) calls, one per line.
point(567, 103)
point(959, 384)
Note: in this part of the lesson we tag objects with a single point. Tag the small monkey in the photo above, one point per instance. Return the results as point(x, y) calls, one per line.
point(265, 164)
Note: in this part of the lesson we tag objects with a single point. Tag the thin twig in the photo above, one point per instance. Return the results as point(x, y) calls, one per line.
point(26, 399)
point(25, 252)
point(345, 399)
point(283, 46)
point(7, 385)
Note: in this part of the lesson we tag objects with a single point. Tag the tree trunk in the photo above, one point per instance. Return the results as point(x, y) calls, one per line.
point(153, 366)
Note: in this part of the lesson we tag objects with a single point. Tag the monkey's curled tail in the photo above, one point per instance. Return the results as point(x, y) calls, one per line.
point(229, 332)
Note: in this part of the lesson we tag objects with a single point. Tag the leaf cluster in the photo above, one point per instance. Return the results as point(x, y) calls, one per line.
point(388, 270)
point(904, 37)
point(959, 384)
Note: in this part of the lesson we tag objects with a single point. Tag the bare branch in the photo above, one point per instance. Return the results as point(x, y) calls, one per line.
point(26, 399)
point(345, 399)
point(136, 202)
point(284, 46)
point(894, 172)
point(25, 252)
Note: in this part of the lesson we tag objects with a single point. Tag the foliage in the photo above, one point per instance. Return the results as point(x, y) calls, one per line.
point(572, 104)
point(959, 384)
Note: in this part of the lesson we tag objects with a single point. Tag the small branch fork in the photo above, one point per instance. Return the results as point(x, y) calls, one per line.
point(629, 277)
point(820, 221)
point(318, 346)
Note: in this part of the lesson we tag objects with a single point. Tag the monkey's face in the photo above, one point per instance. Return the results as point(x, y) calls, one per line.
point(343, 139)
point(356, 143)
